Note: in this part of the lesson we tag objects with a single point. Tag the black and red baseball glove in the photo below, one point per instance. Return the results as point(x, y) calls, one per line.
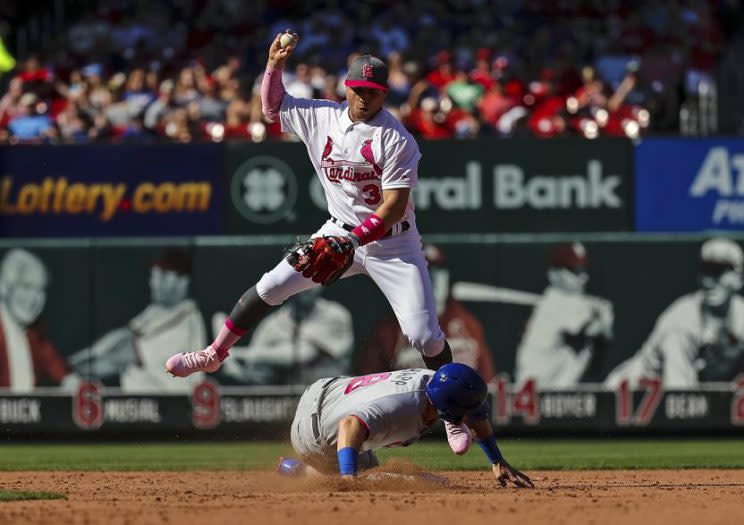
point(322, 259)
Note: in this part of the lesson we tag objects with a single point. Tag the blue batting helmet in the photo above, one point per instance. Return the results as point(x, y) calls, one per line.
point(455, 390)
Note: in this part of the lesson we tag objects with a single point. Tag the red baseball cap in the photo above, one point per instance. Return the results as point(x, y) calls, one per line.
point(569, 255)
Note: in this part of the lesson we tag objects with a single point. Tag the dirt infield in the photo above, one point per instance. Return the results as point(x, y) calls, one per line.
point(226, 497)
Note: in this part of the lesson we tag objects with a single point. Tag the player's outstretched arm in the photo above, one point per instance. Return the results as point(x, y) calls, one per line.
point(351, 436)
point(272, 89)
point(503, 472)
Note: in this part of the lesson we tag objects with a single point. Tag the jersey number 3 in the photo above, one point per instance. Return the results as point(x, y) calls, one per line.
point(371, 193)
point(372, 379)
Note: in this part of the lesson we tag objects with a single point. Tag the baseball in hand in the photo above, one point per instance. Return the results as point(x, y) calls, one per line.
point(287, 39)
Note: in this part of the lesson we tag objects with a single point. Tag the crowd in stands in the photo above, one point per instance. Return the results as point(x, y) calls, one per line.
point(189, 70)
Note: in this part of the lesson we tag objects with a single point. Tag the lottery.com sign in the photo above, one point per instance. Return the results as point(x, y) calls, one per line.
point(101, 201)
point(48, 191)
point(689, 184)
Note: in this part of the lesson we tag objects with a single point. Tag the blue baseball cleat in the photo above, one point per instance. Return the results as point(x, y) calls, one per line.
point(290, 467)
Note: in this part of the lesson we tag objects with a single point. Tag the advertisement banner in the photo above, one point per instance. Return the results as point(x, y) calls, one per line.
point(476, 186)
point(561, 185)
point(110, 190)
point(689, 184)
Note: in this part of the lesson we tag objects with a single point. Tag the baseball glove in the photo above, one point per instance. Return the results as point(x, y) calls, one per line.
point(322, 259)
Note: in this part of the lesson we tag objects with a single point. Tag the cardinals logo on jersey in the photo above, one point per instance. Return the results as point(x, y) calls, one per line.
point(367, 155)
point(349, 170)
point(328, 148)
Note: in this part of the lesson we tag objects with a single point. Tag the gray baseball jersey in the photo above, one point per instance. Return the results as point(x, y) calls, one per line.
point(389, 404)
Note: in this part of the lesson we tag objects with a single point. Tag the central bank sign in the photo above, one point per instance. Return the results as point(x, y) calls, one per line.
point(690, 185)
point(561, 185)
point(513, 189)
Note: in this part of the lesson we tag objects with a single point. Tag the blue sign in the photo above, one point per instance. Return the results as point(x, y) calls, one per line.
point(110, 190)
point(689, 184)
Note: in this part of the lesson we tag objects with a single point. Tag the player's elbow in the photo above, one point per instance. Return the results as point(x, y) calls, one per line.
point(347, 424)
point(270, 114)
point(353, 430)
point(350, 424)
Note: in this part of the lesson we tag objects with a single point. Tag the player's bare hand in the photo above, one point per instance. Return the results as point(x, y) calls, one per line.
point(278, 55)
point(505, 473)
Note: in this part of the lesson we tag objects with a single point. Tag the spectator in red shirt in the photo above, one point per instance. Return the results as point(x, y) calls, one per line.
point(494, 104)
point(482, 73)
point(591, 92)
point(547, 118)
point(444, 72)
point(34, 72)
point(428, 121)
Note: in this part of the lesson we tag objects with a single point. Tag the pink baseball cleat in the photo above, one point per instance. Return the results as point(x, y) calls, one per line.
point(187, 363)
point(458, 437)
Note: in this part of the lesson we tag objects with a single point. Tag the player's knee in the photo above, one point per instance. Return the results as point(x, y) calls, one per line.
point(426, 339)
point(433, 347)
point(270, 290)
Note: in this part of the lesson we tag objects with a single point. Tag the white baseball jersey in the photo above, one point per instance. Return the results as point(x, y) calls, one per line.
point(355, 161)
point(673, 350)
point(543, 354)
point(389, 404)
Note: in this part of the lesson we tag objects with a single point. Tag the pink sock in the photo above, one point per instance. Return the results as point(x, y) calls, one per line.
point(228, 336)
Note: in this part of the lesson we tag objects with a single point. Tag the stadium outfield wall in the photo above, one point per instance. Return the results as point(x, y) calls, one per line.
point(113, 310)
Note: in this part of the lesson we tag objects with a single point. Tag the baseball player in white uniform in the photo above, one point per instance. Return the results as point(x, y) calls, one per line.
point(700, 337)
point(341, 421)
point(367, 163)
point(567, 327)
point(136, 350)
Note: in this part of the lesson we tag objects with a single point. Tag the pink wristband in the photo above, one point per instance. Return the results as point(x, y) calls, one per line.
point(372, 229)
